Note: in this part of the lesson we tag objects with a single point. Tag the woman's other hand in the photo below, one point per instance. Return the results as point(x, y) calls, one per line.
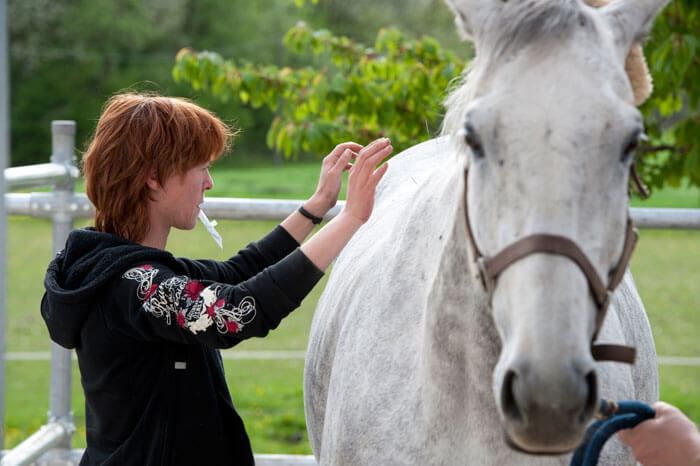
point(364, 177)
point(331, 178)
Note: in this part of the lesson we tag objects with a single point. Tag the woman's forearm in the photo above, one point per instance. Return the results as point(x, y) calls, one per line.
point(298, 226)
point(325, 245)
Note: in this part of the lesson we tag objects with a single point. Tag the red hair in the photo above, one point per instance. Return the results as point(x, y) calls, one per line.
point(137, 135)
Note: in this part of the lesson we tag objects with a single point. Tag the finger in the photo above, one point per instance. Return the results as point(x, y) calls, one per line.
point(624, 436)
point(661, 407)
point(629, 437)
point(340, 148)
point(374, 146)
point(343, 160)
point(372, 154)
point(379, 174)
point(376, 158)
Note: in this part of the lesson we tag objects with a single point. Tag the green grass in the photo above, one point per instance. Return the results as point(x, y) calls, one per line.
point(665, 267)
point(268, 393)
point(682, 197)
point(680, 386)
point(297, 181)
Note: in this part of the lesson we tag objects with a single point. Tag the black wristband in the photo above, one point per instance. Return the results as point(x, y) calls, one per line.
point(315, 220)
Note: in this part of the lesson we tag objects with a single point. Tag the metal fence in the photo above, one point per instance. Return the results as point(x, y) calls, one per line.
point(4, 155)
point(50, 445)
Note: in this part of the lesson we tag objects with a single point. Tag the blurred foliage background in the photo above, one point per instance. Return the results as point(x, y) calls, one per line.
point(68, 56)
point(298, 75)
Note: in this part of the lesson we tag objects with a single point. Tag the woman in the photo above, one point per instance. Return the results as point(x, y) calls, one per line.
point(147, 326)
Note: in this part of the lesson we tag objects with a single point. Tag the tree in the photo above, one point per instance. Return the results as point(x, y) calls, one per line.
point(68, 56)
point(672, 114)
point(395, 89)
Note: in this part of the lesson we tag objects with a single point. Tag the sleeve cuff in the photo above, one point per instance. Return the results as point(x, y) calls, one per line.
point(295, 275)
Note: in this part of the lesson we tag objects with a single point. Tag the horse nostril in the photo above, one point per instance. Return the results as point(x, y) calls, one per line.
point(588, 410)
point(508, 402)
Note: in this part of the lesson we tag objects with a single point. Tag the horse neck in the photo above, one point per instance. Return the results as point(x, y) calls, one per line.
point(460, 344)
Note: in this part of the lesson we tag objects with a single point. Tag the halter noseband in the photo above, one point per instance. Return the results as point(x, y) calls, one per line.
point(490, 267)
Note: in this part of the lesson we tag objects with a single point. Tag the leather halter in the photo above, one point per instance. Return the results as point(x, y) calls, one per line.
point(490, 267)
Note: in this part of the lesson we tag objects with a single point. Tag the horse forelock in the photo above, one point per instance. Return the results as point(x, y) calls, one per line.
point(529, 21)
point(516, 26)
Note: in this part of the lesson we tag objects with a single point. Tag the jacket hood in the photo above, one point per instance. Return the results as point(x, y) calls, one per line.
point(73, 279)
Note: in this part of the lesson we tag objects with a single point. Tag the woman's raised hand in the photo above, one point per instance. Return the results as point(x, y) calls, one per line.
point(364, 177)
point(331, 178)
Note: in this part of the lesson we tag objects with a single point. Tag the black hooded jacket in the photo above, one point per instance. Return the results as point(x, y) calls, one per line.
point(146, 327)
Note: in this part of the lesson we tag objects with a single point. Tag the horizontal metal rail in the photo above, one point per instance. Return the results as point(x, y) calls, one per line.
point(45, 205)
point(285, 460)
point(72, 457)
point(43, 174)
point(256, 209)
point(666, 218)
point(33, 447)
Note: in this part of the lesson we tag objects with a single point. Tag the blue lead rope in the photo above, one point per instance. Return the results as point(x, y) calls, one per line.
point(614, 416)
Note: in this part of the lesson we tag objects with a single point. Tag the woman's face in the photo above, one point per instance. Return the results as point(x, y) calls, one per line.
point(181, 196)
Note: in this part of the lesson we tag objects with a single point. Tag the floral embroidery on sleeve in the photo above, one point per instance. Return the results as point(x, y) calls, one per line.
point(189, 303)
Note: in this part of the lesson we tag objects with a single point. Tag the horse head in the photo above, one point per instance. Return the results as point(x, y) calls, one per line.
point(547, 124)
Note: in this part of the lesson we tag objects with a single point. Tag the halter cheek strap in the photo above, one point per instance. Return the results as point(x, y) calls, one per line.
point(490, 267)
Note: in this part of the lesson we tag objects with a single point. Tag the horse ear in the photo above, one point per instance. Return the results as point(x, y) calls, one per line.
point(471, 14)
point(631, 20)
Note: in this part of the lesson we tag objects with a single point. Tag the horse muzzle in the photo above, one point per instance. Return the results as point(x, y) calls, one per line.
point(546, 414)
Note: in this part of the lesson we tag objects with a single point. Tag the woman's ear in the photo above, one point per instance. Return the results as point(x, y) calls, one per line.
point(152, 180)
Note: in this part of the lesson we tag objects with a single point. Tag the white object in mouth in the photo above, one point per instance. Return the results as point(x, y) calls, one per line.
point(209, 225)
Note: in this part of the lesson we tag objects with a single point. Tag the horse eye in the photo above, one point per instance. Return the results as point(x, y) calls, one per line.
point(632, 145)
point(472, 140)
point(631, 148)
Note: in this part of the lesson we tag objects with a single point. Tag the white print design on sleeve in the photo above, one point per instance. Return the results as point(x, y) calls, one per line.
point(192, 305)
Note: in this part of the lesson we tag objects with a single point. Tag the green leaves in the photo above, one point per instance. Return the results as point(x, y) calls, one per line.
point(301, 3)
point(672, 114)
point(351, 92)
point(394, 88)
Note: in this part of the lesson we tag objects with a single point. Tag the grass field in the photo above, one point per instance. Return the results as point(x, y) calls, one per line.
point(268, 393)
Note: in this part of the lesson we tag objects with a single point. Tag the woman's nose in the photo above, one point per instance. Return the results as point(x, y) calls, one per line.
point(208, 182)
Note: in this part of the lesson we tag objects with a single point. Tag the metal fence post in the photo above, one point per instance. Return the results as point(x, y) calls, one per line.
point(4, 156)
point(63, 146)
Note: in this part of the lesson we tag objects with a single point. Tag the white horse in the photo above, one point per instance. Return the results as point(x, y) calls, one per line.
point(411, 359)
